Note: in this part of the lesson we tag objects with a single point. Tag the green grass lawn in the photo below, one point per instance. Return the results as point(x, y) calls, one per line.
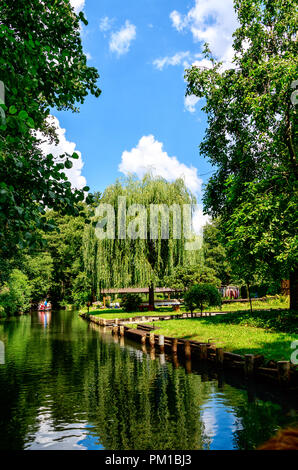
point(271, 303)
point(110, 313)
point(237, 338)
point(264, 332)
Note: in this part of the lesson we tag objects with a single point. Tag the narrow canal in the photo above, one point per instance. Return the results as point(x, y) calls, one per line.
point(67, 384)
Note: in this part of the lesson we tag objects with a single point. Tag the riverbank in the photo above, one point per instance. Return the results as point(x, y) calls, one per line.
point(272, 303)
point(197, 351)
point(267, 331)
point(266, 334)
point(236, 338)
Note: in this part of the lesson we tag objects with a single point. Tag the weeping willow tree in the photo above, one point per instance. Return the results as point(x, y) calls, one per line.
point(149, 234)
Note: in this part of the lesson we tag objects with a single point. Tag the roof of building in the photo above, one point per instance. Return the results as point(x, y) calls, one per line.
point(137, 290)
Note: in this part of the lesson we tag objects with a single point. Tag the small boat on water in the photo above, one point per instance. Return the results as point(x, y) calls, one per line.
point(42, 307)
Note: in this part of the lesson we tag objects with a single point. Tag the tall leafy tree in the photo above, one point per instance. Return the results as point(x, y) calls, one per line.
point(42, 67)
point(184, 277)
point(64, 246)
point(251, 139)
point(215, 255)
point(138, 258)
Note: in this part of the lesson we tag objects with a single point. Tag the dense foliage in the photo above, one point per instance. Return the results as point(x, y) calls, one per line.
point(215, 254)
point(138, 260)
point(15, 294)
point(131, 302)
point(42, 67)
point(200, 296)
point(252, 141)
point(185, 276)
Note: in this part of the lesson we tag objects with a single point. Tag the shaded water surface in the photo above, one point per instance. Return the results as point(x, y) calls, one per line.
point(67, 384)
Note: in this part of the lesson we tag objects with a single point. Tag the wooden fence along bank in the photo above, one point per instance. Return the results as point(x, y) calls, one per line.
point(251, 366)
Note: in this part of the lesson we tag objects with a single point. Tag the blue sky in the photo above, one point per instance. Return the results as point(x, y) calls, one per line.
point(141, 121)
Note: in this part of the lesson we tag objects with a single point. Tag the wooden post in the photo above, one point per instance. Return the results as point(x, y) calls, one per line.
point(187, 349)
point(162, 359)
point(203, 351)
point(143, 339)
point(130, 320)
point(174, 345)
point(116, 321)
point(151, 340)
point(121, 328)
point(104, 301)
point(152, 354)
point(249, 364)
point(143, 318)
point(188, 366)
point(161, 343)
point(104, 323)
point(283, 372)
point(175, 361)
point(219, 356)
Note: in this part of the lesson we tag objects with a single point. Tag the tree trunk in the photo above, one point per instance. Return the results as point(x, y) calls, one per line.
point(294, 289)
point(248, 290)
point(151, 296)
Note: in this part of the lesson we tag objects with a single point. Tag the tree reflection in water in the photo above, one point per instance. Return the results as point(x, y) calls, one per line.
point(67, 384)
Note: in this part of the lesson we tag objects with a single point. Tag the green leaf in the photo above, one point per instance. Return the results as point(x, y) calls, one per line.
point(68, 164)
point(13, 109)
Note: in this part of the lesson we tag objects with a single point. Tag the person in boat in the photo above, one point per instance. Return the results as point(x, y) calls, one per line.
point(45, 303)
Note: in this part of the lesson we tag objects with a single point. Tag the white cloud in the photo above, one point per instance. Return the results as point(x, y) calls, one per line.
point(211, 21)
point(105, 24)
point(177, 19)
point(120, 40)
point(148, 155)
point(74, 174)
point(176, 59)
point(199, 219)
point(78, 5)
point(190, 102)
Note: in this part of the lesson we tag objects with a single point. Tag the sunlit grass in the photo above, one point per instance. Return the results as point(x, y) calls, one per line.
point(234, 338)
point(271, 303)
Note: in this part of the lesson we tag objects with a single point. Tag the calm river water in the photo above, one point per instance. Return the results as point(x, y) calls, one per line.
point(67, 384)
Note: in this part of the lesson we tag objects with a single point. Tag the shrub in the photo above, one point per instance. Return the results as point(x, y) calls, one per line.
point(200, 296)
point(15, 296)
point(131, 302)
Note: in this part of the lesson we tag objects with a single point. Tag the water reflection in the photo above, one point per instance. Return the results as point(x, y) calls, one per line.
point(67, 384)
point(44, 318)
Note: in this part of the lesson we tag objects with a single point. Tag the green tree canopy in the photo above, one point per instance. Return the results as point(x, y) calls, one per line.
point(184, 277)
point(200, 296)
point(139, 259)
point(42, 67)
point(251, 140)
point(215, 254)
